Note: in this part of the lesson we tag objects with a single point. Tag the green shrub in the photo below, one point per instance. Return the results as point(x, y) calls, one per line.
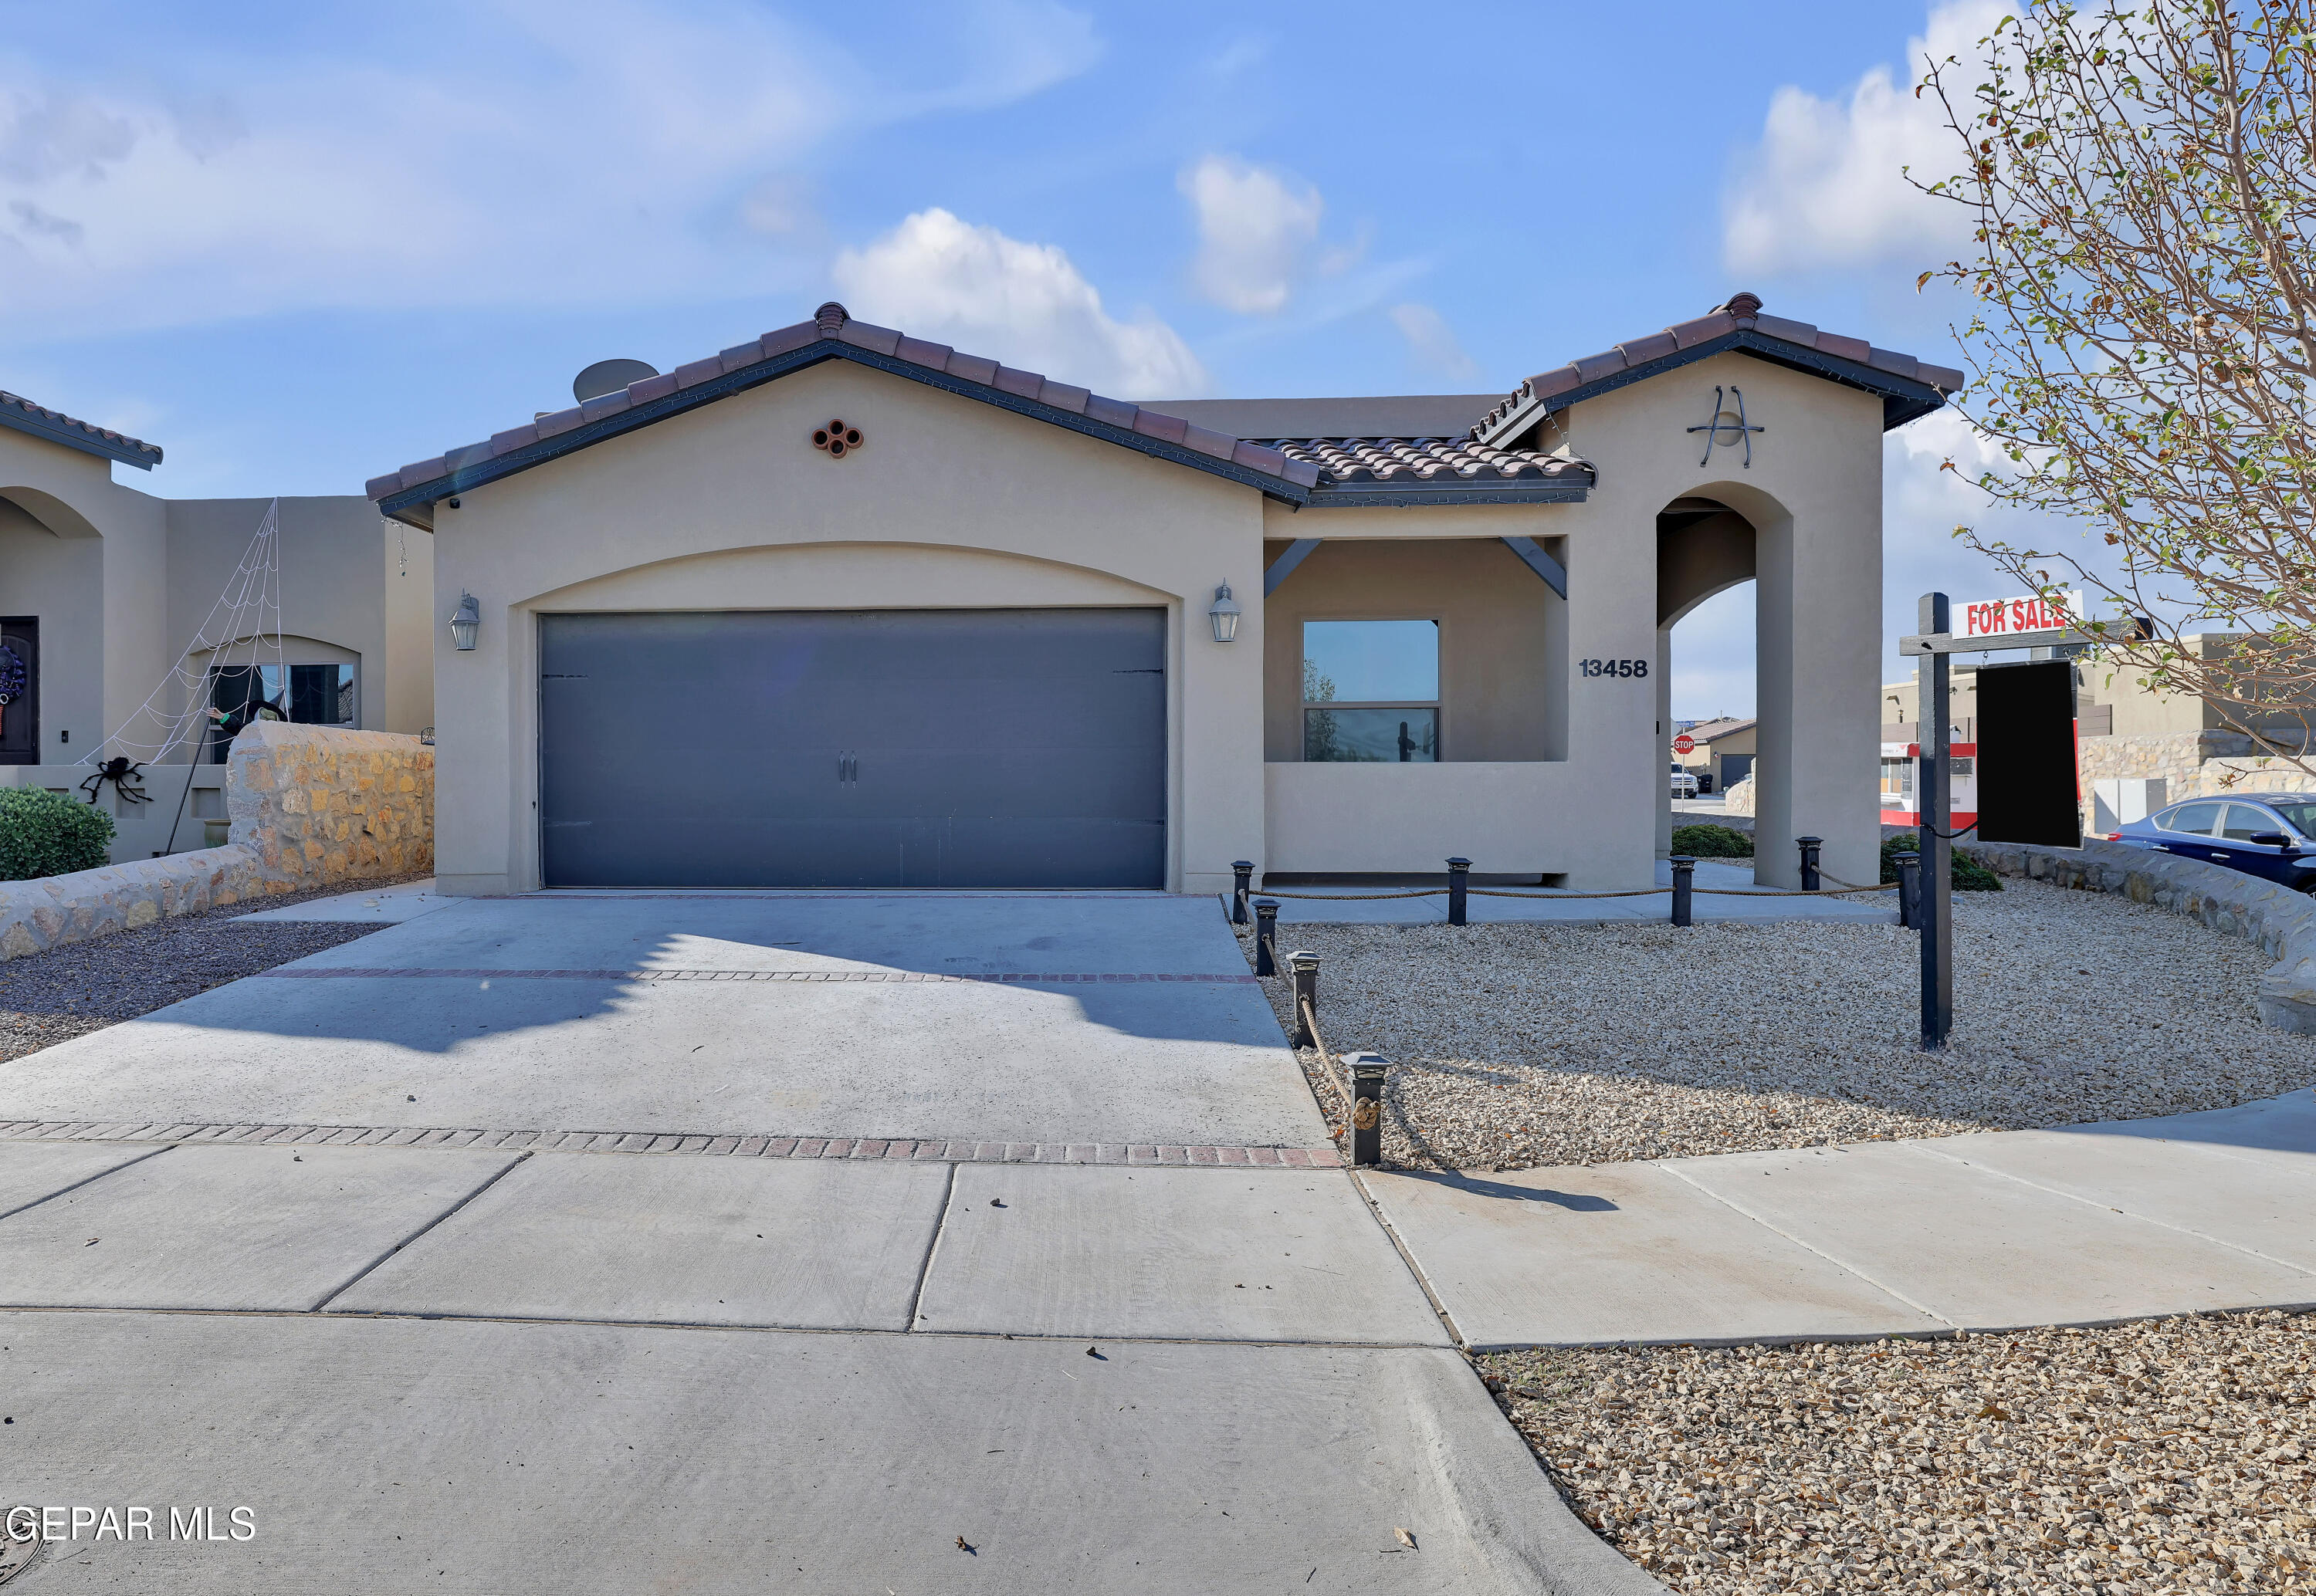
point(44, 833)
point(1712, 842)
point(1966, 873)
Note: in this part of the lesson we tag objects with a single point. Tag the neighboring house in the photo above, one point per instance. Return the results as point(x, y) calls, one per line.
point(2135, 750)
point(105, 592)
point(842, 607)
point(1723, 754)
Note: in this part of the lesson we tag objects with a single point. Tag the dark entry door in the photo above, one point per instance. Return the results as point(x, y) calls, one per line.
point(1020, 748)
point(20, 684)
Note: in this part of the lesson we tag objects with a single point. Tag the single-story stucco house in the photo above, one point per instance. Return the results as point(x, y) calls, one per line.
point(125, 617)
point(839, 608)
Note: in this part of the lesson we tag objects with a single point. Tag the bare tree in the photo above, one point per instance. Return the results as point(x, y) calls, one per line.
point(2143, 184)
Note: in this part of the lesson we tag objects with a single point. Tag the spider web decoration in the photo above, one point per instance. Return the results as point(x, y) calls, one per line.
point(245, 619)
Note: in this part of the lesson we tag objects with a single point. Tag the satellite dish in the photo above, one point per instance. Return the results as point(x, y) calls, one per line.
point(609, 377)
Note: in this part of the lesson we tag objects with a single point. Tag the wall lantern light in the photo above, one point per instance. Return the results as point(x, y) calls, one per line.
point(464, 621)
point(1224, 613)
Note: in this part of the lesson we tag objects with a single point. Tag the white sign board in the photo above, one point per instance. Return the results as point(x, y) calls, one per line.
point(2001, 617)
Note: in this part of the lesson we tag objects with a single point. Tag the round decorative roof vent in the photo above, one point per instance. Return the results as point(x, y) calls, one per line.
point(836, 440)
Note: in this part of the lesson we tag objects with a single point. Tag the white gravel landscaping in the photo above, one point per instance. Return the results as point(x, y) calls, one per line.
point(1519, 1045)
point(2164, 1456)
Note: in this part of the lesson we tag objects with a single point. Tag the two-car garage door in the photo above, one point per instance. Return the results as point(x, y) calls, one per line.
point(1020, 748)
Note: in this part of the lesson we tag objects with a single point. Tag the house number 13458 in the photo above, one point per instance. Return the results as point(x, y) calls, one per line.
point(1614, 667)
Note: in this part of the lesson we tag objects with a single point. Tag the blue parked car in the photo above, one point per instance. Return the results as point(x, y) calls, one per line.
point(2270, 834)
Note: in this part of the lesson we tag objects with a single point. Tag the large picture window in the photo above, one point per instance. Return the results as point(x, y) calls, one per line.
point(306, 695)
point(1371, 692)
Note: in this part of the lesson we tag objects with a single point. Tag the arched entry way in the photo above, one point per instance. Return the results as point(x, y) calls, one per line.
point(1817, 643)
point(1704, 549)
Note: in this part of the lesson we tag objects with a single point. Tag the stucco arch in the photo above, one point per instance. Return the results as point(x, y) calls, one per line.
point(49, 513)
point(848, 575)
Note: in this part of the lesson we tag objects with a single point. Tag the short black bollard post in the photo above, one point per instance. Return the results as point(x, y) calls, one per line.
point(1459, 879)
point(1242, 872)
point(1809, 847)
point(1909, 888)
point(1304, 968)
point(1367, 1070)
point(1684, 882)
point(1265, 936)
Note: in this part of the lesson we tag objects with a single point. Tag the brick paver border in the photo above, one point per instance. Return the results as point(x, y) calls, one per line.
point(912, 1149)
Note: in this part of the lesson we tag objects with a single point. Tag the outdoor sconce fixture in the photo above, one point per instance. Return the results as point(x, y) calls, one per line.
point(464, 621)
point(1224, 613)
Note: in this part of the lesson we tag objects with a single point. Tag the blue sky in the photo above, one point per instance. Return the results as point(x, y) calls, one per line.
point(299, 245)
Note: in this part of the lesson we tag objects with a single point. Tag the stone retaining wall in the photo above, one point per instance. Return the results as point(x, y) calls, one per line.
point(308, 805)
point(2191, 764)
point(2279, 921)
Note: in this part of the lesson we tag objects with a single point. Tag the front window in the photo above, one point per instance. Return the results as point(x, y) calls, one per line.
point(1897, 778)
point(305, 695)
point(1371, 692)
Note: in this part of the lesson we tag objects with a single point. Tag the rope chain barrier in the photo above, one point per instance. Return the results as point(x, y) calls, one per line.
point(1326, 1058)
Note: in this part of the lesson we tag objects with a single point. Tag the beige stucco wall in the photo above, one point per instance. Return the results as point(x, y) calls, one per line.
point(1813, 496)
point(952, 503)
point(949, 503)
point(1500, 697)
point(123, 582)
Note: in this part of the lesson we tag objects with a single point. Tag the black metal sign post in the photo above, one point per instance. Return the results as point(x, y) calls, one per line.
point(1936, 793)
point(1936, 809)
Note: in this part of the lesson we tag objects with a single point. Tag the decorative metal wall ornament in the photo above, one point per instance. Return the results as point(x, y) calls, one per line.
point(836, 440)
point(120, 772)
point(1720, 428)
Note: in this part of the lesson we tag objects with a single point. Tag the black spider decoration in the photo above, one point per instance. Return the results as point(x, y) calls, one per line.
point(120, 772)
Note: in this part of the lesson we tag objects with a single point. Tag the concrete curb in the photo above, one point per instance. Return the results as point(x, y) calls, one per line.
point(2278, 921)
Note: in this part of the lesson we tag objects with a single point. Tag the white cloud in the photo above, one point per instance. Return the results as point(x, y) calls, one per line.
point(1433, 341)
point(938, 278)
point(621, 150)
point(1826, 186)
point(1255, 226)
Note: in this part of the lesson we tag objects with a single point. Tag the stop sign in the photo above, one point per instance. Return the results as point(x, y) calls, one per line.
point(1684, 744)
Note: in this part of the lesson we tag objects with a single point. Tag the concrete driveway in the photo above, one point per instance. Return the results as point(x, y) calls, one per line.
point(782, 1241)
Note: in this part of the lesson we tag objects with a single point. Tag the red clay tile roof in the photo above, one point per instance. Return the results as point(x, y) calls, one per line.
point(1909, 387)
point(833, 333)
point(24, 416)
point(1439, 461)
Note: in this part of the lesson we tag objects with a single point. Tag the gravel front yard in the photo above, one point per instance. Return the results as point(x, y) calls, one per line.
point(46, 998)
point(1521, 1045)
point(2171, 1456)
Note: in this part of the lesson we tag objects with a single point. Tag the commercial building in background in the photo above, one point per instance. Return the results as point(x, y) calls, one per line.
point(128, 616)
point(2135, 750)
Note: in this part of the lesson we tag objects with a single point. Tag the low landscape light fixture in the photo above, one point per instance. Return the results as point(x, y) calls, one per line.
point(465, 621)
point(1224, 613)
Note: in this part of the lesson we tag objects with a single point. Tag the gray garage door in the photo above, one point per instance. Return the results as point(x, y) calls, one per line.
point(1009, 748)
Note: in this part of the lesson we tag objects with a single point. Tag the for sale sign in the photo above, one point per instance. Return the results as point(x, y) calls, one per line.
point(2002, 617)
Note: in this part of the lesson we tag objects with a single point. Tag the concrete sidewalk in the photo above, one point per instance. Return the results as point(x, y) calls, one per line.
point(1718, 881)
point(977, 1242)
point(2089, 1225)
